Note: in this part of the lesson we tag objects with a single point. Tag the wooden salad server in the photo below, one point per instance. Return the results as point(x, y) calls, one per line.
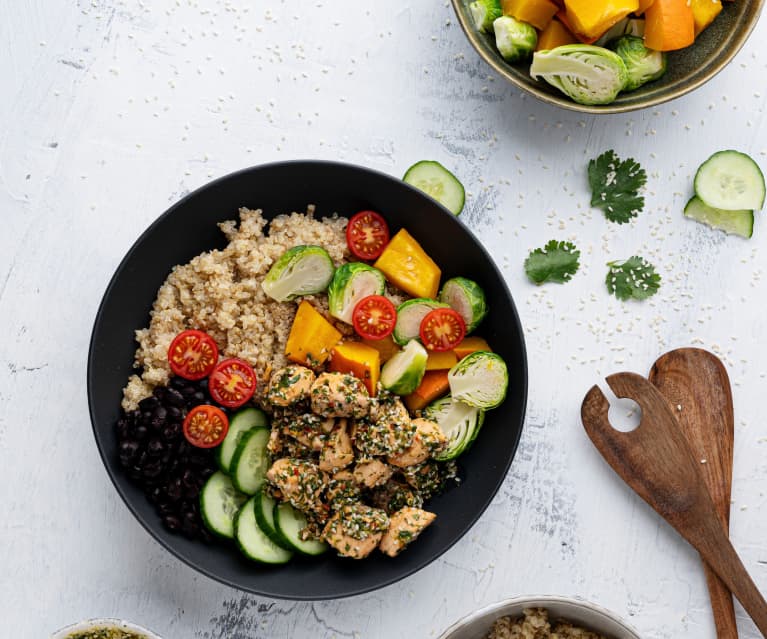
point(656, 461)
point(696, 384)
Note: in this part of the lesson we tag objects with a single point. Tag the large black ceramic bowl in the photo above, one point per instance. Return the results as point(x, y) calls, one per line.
point(189, 228)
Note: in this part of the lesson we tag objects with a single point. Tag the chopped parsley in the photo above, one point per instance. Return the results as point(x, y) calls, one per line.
point(615, 186)
point(634, 278)
point(555, 262)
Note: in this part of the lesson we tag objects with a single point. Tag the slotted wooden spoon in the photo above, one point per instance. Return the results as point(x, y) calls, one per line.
point(656, 461)
point(696, 384)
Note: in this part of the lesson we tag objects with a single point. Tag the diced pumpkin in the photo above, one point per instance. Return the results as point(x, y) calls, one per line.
point(433, 386)
point(669, 25)
point(439, 361)
point(311, 337)
point(704, 12)
point(386, 347)
point(408, 267)
point(364, 362)
point(643, 4)
point(591, 18)
point(562, 17)
point(471, 345)
point(536, 12)
point(554, 35)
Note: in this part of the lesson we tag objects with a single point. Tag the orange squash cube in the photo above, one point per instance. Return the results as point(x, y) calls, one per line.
point(535, 12)
point(669, 25)
point(554, 35)
point(358, 359)
point(311, 337)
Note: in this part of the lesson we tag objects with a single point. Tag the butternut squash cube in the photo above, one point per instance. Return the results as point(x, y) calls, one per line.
point(441, 360)
point(364, 362)
point(536, 12)
point(704, 12)
point(386, 347)
point(408, 267)
point(471, 345)
point(311, 337)
point(669, 25)
point(591, 18)
point(554, 35)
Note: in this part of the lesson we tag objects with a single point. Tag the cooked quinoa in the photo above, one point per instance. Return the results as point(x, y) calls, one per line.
point(535, 624)
point(220, 292)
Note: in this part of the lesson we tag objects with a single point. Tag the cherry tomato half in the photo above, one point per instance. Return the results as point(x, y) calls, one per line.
point(442, 329)
point(192, 354)
point(374, 317)
point(232, 382)
point(367, 235)
point(205, 426)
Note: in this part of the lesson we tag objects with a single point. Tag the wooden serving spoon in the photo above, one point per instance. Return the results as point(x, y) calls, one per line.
point(656, 461)
point(696, 384)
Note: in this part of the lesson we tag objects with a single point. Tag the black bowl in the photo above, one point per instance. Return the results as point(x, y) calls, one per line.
point(189, 228)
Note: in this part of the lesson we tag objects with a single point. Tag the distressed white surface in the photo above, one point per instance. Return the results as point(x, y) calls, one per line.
point(112, 110)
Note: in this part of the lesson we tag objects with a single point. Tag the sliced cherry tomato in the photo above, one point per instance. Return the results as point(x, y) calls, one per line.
point(367, 234)
point(232, 382)
point(205, 426)
point(192, 354)
point(374, 317)
point(442, 329)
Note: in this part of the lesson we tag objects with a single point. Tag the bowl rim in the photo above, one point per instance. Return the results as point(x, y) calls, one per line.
point(608, 109)
point(97, 622)
point(542, 601)
point(522, 385)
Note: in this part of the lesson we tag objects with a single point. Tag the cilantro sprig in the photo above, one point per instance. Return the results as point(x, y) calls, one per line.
point(555, 262)
point(615, 186)
point(634, 278)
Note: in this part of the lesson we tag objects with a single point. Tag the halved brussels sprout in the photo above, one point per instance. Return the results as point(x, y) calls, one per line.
point(466, 298)
point(351, 283)
point(515, 40)
point(587, 74)
point(642, 64)
point(484, 13)
point(480, 379)
point(301, 270)
point(403, 373)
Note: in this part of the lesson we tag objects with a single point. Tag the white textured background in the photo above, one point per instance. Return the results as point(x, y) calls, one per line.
point(111, 110)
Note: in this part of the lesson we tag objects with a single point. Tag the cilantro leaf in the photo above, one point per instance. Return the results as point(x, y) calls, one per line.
point(555, 262)
point(634, 278)
point(615, 186)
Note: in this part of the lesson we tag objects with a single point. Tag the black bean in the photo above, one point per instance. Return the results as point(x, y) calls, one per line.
point(172, 522)
point(128, 450)
point(174, 490)
point(160, 392)
point(203, 384)
point(198, 397)
point(188, 391)
point(140, 432)
point(155, 447)
point(174, 413)
point(174, 398)
point(151, 470)
point(190, 526)
point(148, 404)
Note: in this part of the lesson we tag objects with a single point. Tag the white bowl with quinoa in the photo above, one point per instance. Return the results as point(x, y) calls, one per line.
point(104, 629)
point(539, 617)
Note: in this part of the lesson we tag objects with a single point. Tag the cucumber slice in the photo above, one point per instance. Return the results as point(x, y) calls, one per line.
point(410, 314)
point(219, 503)
point(264, 507)
point(731, 181)
point(302, 270)
point(458, 421)
point(254, 543)
point(242, 421)
point(404, 371)
point(436, 181)
point(734, 222)
point(351, 283)
point(250, 461)
point(467, 298)
point(480, 379)
point(290, 522)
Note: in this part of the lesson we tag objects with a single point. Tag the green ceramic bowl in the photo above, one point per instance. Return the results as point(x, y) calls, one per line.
point(687, 69)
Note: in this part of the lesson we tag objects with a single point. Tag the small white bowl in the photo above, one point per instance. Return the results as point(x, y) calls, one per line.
point(111, 624)
point(577, 611)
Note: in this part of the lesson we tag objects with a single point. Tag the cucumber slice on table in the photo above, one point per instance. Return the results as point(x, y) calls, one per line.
point(290, 522)
point(264, 506)
point(240, 423)
point(458, 421)
point(480, 379)
point(254, 542)
point(403, 373)
point(410, 314)
point(435, 180)
point(219, 503)
point(734, 222)
point(251, 461)
point(467, 298)
point(731, 181)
